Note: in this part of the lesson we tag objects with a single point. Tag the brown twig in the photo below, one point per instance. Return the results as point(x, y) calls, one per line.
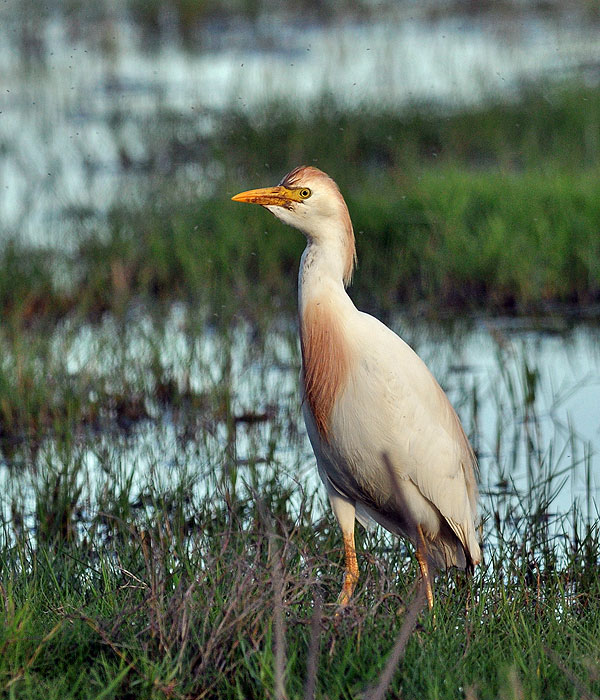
point(409, 624)
point(278, 620)
point(584, 693)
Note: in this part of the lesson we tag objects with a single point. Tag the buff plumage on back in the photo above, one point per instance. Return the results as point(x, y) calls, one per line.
point(304, 173)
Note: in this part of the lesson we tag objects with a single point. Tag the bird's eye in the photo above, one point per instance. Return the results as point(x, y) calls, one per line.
point(304, 193)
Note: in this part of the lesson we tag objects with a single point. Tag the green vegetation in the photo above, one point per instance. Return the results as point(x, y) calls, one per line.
point(161, 534)
point(158, 499)
point(500, 241)
point(175, 599)
point(495, 209)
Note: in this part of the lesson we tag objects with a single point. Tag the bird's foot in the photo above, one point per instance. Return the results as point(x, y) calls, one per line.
point(350, 581)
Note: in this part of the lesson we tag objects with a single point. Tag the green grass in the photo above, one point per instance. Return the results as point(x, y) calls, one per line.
point(452, 239)
point(146, 604)
point(205, 624)
point(146, 558)
point(492, 209)
point(546, 127)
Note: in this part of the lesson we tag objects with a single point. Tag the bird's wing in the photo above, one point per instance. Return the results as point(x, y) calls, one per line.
point(413, 422)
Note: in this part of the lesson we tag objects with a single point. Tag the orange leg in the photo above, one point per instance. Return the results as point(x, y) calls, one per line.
point(351, 573)
point(424, 566)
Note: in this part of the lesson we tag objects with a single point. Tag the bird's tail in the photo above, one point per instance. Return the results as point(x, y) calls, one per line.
point(448, 551)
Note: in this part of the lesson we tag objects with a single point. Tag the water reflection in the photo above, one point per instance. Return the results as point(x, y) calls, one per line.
point(528, 400)
point(89, 113)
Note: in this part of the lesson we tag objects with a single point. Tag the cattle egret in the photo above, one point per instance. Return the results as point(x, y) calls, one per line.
point(389, 446)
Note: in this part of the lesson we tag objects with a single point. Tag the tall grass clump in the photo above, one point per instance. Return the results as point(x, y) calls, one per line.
point(178, 597)
point(492, 208)
point(447, 237)
point(189, 552)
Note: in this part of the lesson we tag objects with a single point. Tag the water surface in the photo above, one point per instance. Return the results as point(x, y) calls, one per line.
point(91, 114)
point(528, 398)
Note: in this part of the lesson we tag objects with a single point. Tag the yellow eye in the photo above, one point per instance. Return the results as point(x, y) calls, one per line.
point(304, 193)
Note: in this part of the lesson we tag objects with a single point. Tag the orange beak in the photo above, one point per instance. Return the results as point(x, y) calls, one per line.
point(268, 196)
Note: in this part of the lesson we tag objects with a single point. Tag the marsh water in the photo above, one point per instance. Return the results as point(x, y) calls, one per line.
point(527, 392)
point(93, 110)
point(93, 114)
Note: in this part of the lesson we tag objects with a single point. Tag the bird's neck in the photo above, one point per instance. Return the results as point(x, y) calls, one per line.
point(321, 275)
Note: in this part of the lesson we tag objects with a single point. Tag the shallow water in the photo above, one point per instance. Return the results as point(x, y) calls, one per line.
point(91, 114)
point(528, 398)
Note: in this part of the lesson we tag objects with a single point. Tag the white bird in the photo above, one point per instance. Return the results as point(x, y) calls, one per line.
point(389, 446)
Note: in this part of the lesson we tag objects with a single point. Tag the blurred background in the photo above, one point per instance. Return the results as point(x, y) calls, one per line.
point(472, 124)
point(148, 337)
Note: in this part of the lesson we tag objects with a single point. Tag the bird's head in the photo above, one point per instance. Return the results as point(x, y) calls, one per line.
point(310, 201)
